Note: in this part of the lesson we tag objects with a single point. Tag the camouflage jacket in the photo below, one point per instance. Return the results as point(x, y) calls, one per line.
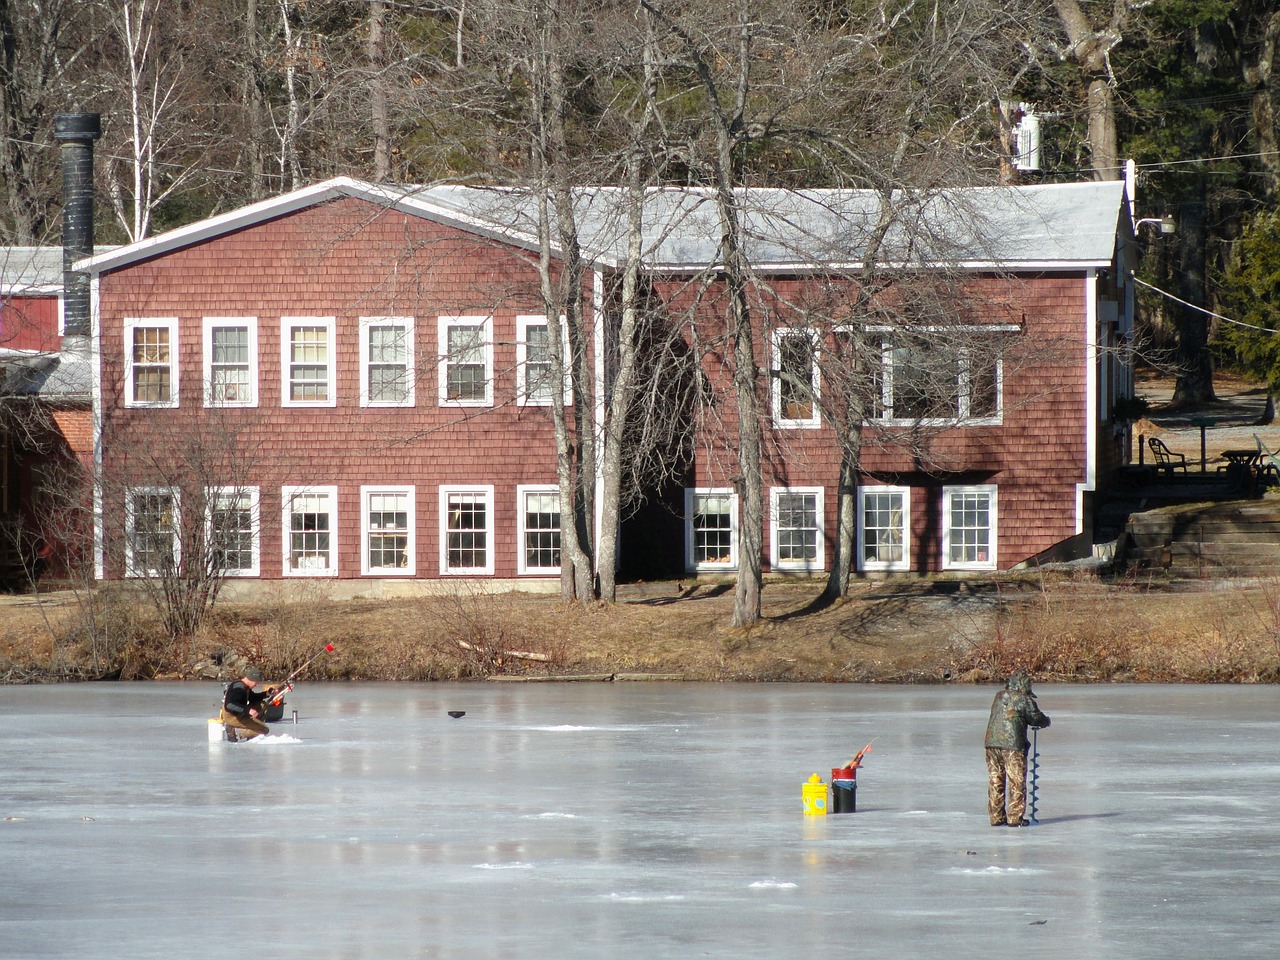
point(1012, 711)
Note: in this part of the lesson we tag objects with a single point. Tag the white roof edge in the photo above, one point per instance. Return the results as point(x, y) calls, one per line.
point(402, 200)
point(804, 267)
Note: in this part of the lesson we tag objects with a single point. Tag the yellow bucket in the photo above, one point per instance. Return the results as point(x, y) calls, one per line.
point(814, 795)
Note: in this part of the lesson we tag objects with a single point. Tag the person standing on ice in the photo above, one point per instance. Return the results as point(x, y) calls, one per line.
point(1013, 710)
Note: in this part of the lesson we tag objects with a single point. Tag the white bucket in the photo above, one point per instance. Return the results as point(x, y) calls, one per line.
point(217, 731)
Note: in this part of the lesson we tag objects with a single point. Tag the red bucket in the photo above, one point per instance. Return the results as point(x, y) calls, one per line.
point(844, 773)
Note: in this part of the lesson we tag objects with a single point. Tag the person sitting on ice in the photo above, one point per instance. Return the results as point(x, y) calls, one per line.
point(243, 705)
point(1013, 710)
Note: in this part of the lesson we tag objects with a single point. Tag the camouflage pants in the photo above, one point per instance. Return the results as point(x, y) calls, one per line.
point(1006, 766)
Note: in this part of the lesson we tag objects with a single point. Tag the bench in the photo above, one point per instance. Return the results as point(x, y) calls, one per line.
point(1166, 459)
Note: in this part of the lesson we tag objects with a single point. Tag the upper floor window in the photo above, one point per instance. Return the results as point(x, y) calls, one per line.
point(795, 382)
point(466, 361)
point(310, 531)
point(884, 515)
point(969, 527)
point(711, 529)
point(941, 376)
point(234, 531)
point(151, 362)
point(231, 361)
point(307, 362)
point(151, 532)
point(535, 380)
point(386, 362)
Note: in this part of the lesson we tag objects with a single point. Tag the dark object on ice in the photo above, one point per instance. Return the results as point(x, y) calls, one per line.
point(457, 713)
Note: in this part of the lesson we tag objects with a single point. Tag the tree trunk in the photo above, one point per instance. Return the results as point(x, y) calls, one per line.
point(1194, 382)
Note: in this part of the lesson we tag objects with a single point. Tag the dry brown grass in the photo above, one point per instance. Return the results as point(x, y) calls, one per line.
point(1060, 627)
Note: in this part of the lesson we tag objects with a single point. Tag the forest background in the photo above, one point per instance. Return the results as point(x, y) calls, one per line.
point(210, 105)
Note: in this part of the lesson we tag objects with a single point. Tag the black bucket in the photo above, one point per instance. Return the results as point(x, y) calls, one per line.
point(844, 796)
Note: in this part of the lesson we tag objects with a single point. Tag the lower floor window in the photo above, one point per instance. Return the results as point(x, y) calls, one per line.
point(796, 529)
point(387, 530)
point(969, 527)
point(151, 541)
point(310, 530)
point(467, 517)
point(539, 529)
point(883, 515)
point(711, 527)
point(233, 531)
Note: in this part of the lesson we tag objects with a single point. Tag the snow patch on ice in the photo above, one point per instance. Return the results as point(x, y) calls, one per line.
point(550, 815)
point(272, 740)
point(995, 871)
point(642, 898)
point(773, 885)
point(513, 865)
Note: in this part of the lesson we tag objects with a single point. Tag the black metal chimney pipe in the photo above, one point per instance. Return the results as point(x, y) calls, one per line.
point(76, 133)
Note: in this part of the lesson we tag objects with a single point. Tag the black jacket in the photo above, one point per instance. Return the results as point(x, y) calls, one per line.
point(239, 699)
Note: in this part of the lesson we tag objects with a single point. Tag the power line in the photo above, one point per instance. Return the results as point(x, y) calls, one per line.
point(1216, 316)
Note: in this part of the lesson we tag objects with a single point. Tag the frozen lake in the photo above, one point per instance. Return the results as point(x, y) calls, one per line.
point(644, 820)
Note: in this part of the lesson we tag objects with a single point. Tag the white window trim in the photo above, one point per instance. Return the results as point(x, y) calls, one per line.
point(991, 562)
point(523, 323)
point(251, 325)
point(366, 323)
point(690, 494)
point(962, 418)
point(287, 495)
point(134, 323)
point(820, 559)
point(874, 565)
point(130, 567)
point(331, 389)
point(522, 565)
point(442, 341)
point(255, 525)
point(366, 568)
point(814, 420)
point(487, 569)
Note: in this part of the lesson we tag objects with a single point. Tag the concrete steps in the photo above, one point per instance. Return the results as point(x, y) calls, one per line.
point(1231, 539)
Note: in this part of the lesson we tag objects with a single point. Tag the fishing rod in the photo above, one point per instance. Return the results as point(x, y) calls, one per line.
point(1034, 769)
point(287, 685)
point(857, 757)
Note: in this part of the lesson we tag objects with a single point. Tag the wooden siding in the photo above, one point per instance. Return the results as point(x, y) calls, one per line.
point(347, 259)
point(29, 323)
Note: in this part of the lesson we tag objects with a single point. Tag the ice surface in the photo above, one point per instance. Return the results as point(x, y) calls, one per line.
point(632, 821)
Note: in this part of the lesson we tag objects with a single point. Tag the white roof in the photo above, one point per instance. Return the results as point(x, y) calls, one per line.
point(30, 270)
point(1047, 226)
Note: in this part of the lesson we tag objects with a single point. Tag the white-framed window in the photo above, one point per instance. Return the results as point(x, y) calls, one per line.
point(795, 379)
point(466, 530)
point(235, 531)
point(538, 523)
point(795, 525)
point(386, 531)
point(969, 527)
point(310, 531)
point(534, 377)
point(386, 362)
point(711, 529)
point(942, 376)
point(884, 527)
point(151, 532)
point(151, 362)
point(307, 362)
point(466, 361)
point(230, 361)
